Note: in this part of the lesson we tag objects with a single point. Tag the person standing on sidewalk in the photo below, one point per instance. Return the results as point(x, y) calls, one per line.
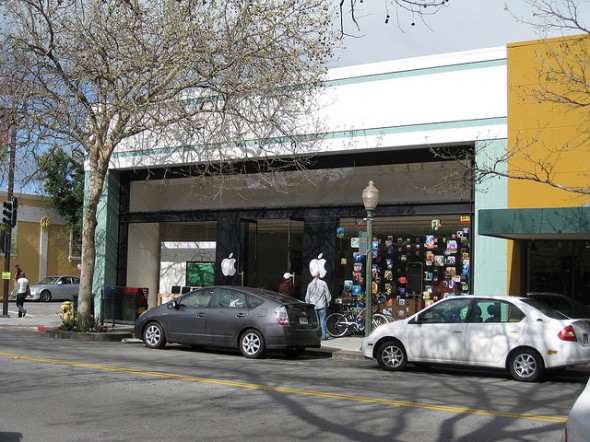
point(22, 285)
point(287, 287)
point(319, 295)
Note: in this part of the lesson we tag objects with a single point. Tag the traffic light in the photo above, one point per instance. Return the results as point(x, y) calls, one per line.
point(9, 212)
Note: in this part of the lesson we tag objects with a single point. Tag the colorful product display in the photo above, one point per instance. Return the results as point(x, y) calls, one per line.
point(442, 257)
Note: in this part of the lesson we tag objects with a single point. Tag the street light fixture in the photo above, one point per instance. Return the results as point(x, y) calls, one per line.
point(370, 201)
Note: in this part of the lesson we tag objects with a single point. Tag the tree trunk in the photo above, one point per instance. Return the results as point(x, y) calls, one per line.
point(85, 299)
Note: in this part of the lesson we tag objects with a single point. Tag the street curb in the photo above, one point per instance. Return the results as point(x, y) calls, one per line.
point(89, 336)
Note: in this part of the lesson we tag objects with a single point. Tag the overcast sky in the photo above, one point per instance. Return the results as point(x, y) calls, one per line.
point(462, 25)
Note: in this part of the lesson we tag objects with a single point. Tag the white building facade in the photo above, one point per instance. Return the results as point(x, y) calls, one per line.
point(400, 124)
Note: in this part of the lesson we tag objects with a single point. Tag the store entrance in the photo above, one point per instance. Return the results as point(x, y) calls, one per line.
point(269, 249)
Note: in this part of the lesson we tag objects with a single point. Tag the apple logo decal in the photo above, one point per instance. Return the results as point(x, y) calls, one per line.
point(228, 266)
point(318, 265)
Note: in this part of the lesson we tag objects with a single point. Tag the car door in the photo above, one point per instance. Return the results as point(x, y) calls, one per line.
point(186, 321)
point(227, 314)
point(488, 342)
point(62, 289)
point(439, 333)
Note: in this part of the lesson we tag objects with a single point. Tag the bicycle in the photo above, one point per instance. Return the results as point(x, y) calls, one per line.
point(353, 321)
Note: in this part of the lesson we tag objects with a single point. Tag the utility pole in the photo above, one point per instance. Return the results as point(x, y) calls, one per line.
point(7, 236)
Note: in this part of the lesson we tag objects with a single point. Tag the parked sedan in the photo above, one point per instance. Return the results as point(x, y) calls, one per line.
point(520, 335)
point(250, 319)
point(54, 288)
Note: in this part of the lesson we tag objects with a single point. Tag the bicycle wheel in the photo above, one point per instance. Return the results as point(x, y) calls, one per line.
point(337, 325)
point(378, 319)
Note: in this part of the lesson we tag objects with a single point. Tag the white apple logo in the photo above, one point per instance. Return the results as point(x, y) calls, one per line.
point(318, 265)
point(228, 266)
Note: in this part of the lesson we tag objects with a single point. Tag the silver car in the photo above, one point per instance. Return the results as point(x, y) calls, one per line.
point(54, 288)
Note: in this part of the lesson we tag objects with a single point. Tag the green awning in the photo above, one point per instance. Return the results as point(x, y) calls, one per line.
point(562, 223)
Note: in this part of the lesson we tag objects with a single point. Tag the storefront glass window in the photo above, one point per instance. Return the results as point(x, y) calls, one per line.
point(561, 267)
point(423, 258)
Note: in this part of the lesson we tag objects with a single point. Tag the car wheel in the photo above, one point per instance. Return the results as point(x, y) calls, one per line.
point(391, 356)
point(526, 365)
point(45, 296)
point(252, 344)
point(153, 335)
point(294, 351)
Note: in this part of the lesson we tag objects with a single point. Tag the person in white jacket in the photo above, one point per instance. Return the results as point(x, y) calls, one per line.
point(22, 285)
point(319, 295)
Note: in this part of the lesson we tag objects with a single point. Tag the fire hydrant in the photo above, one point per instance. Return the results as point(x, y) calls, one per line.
point(66, 311)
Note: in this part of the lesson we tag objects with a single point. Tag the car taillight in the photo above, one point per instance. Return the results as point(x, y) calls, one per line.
point(282, 316)
point(568, 334)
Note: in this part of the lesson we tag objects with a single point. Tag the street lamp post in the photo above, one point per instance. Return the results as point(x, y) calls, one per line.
point(370, 201)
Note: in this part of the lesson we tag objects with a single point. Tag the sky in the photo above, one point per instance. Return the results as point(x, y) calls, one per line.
point(462, 25)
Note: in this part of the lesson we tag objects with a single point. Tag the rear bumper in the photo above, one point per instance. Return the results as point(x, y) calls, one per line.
point(287, 337)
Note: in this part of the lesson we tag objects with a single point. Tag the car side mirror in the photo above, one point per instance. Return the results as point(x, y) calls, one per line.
point(174, 305)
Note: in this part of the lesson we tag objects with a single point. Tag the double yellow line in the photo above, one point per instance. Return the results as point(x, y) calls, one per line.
point(344, 397)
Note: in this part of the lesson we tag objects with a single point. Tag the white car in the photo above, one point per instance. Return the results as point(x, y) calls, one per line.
point(518, 334)
point(577, 428)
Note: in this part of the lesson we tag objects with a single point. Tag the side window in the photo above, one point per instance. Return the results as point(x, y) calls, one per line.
point(226, 298)
point(75, 280)
point(514, 314)
point(451, 311)
point(198, 299)
point(254, 301)
point(499, 311)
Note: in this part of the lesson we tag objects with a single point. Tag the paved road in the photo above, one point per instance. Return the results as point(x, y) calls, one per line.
point(63, 390)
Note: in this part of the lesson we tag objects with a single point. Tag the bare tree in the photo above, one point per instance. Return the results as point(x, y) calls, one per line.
point(561, 83)
point(417, 10)
point(107, 74)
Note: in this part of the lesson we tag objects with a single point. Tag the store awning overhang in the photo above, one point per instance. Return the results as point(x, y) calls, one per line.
point(555, 223)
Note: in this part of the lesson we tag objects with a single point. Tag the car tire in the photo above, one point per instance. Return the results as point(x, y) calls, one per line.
point(153, 335)
point(45, 296)
point(391, 356)
point(526, 365)
point(252, 344)
point(293, 351)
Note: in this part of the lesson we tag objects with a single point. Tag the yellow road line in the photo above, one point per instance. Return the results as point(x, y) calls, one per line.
point(346, 397)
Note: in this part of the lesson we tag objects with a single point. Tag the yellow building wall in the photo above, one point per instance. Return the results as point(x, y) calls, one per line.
point(543, 131)
point(546, 137)
point(28, 241)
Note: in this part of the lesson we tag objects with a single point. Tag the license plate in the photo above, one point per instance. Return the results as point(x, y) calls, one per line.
point(585, 338)
point(303, 320)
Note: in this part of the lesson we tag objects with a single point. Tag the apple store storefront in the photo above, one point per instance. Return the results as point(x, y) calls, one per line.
point(177, 233)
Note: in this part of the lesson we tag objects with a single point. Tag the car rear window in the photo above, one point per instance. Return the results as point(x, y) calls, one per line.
point(544, 308)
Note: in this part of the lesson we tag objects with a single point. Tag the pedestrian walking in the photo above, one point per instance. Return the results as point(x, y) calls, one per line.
point(22, 289)
point(287, 287)
point(319, 295)
point(17, 274)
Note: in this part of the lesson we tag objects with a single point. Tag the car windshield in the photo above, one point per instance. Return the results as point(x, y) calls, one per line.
point(48, 280)
point(544, 308)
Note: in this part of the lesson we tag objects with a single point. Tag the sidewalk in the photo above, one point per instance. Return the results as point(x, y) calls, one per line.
point(339, 348)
